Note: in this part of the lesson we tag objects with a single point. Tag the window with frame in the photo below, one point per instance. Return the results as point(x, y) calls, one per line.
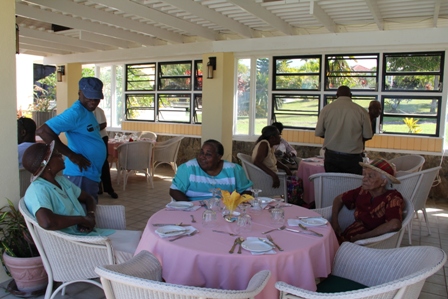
point(174, 75)
point(361, 100)
point(296, 73)
point(411, 115)
point(140, 107)
point(178, 84)
point(140, 77)
point(359, 71)
point(298, 111)
point(420, 71)
point(173, 107)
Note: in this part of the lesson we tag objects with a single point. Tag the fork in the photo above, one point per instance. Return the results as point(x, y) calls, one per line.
point(271, 230)
point(185, 235)
point(240, 242)
point(192, 219)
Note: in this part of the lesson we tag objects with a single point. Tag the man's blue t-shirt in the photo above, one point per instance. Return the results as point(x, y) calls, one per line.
point(83, 135)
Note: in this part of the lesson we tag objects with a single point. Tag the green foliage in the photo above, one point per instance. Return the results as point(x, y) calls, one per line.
point(411, 123)
point(88, 72)
point(44, 94)
point(15, 239)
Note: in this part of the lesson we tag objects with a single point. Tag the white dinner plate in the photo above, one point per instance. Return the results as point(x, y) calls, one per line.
point(265, 200)
point(174, 230)
point(181, 205)
point(256, 246)
point(314, 221)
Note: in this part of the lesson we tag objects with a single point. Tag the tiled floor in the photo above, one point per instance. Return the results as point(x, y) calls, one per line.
point(141, 202)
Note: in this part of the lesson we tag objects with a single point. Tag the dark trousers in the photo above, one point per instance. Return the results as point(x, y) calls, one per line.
point(105, 172)
point(341, 162)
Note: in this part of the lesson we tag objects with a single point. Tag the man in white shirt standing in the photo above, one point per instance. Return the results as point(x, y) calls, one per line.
point(105, 172)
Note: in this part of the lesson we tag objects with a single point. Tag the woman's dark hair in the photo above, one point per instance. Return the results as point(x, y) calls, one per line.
point(279, 126)
point(218, 146)
point(267, 132)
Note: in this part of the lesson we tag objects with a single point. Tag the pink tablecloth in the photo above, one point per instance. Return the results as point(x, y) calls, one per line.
point(307, 168)
point(203, 260)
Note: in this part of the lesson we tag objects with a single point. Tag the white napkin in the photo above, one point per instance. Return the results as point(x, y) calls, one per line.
point(189, 229)
point(296, 222)
point(260, 253)
point(193, 208)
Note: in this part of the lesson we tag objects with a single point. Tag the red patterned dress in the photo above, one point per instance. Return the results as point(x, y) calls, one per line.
point(371, 212)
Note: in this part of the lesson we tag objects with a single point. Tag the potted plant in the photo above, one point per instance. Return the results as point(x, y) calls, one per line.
point(44, 104)
point(20, 255)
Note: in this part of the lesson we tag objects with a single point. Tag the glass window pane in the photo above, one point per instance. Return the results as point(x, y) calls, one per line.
point(197, 114)
point(174, 108)
point(198, 75)
point(140, 107)
point(261, 95)
point(297, 73)
point(406, 106)
point(140, 76)
point(413, 71)
point(410, 125)
point(354, 71)
point(299, 111)
point(363, 101)
point(243, 97)
point(175, 76)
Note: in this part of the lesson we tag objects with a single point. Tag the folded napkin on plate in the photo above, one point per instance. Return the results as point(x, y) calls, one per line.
point(189, 229)
point(296, 222)
point(193, 208)
point(260, 253)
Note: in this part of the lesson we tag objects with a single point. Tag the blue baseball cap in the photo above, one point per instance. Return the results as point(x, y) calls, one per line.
point(91, 87)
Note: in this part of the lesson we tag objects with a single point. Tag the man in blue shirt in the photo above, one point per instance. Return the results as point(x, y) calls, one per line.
point(86, 150)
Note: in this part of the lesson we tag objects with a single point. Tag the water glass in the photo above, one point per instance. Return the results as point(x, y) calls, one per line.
point(277, 216)
point(209, 219)
point(256, 203)
point(243, 223)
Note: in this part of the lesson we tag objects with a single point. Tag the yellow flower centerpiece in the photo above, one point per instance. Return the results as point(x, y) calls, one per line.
point(231, 201)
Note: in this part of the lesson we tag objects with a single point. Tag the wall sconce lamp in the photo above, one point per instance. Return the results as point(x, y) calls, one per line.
point(60, 72)
point(211, 66)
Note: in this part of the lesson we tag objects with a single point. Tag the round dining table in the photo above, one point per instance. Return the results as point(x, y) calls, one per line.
point(204, 260)
point(308, 167)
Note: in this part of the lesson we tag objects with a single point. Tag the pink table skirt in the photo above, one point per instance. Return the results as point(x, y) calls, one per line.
point(203, 260)
point(306, 169)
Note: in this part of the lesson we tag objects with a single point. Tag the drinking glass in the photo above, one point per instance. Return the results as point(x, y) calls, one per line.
point(278, 216)
point(244, 221)
point(209, 219)
point(256, 202)
point(215, 201)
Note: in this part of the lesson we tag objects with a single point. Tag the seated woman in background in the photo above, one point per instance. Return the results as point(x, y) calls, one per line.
point(263, 157)
point(378, 209)
point(263, 154)
point(57, 203)
point(195, 178)
point(284, 151)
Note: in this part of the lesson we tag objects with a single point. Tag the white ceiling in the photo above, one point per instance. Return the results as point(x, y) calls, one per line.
point(104, 25)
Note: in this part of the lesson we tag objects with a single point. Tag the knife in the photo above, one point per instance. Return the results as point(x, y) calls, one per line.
point(300, 231)
point(267, 242)
point(163, 224)
point(298, 217)
point(307, 229)
point(175, 231)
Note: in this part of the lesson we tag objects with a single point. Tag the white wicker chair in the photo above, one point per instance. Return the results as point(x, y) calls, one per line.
point(328, 185)
point(136, 156)
point(139, 278)
point(418, 192)
point(24, 180)
point(407, 164)
point(72, 258)
point(148, 135)
point(388, 240)
point(166, 152)
point(260, 179)
point(388, 273)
